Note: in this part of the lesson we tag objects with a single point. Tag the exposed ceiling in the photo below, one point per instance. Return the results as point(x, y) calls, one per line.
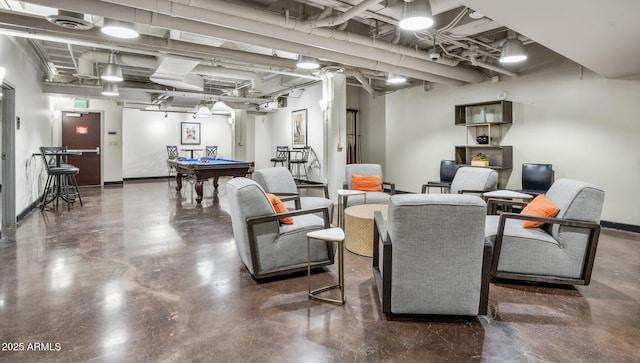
point(244, 52)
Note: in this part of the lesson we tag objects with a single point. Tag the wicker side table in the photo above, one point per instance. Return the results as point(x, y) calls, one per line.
point(359, 227)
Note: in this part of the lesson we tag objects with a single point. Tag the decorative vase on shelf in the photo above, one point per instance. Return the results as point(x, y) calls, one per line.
point(483, 115)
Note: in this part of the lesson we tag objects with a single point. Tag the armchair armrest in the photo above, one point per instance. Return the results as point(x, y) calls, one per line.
point(324, 188)
point(472, 191)
point(285, 197)
point(276, 216)
point(383, 278)
point(392, 187)
point(493, 203)
point(592, 242)
point(426, 187)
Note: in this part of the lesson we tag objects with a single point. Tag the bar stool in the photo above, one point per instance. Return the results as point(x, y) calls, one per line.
point(281, 155)
point(61, 179)
point(328, 235)
point(300, 161)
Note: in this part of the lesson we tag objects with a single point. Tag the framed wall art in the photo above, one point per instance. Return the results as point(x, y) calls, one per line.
point(299, 128)
point(190, 133)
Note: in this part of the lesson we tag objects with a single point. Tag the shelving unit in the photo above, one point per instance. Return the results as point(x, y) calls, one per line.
point(485, 118)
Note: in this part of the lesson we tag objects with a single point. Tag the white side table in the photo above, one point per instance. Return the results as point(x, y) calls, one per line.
point(505, 194)
point(329, 235)
point(343, 194)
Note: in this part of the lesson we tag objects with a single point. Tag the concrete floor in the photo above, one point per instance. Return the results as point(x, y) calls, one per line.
point(142, 274)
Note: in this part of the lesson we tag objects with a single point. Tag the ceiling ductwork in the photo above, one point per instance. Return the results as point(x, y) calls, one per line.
point(228, 47)
point(176, 72)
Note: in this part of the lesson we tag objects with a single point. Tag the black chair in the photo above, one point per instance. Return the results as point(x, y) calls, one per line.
point(282, 154)
point(211, 152)
point(172, 154)
point(448, 169)
point(536, 178)
point(61, 178)
point(299, 161)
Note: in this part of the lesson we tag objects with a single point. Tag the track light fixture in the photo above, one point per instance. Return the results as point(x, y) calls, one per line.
point(119, 29)
point(306, 62)
point(416, 15)
point(512, 49)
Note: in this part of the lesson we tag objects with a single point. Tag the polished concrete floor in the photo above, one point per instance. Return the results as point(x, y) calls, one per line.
point(142, 274)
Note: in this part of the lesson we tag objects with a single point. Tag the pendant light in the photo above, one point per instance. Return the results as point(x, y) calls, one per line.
point(416, 15)
point(306, 62)
point(512, 49)
point(110, 89)
point(112, 71)
point(119, 29)
point(396, 78)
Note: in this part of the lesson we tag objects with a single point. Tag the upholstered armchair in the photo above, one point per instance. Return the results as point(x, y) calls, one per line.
point(279, 181)
point(471, 180)
point(372, 197)
point(267, 247)
point(432, 258)
point(562, 250)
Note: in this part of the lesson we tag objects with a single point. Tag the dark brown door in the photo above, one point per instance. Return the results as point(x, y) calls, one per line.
point(81, 131)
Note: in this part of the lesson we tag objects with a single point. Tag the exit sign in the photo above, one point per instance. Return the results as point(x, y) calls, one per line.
point(77, 103)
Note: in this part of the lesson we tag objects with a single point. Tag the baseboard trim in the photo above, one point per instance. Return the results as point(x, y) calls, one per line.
point(147, 178)
point(620, 226)
point(28, 210)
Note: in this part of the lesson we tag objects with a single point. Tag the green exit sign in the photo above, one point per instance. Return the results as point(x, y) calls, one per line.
point(77, 103)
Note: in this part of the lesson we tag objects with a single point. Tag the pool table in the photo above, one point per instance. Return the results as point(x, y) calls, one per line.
point(205, 168)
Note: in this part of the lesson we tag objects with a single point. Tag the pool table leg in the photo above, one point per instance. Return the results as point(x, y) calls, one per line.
point(215, 181)
point(198, 187)
point(178, 181)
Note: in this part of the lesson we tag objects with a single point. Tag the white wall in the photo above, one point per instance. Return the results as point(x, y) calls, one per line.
point(275, 128)
point(32, 107)
point(586, 126)
point(145, 136)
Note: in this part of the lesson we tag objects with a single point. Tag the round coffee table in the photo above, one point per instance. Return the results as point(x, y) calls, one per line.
point(359, 227)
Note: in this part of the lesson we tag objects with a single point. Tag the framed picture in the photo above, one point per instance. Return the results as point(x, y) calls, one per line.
point(299, 128)
point(190, 133)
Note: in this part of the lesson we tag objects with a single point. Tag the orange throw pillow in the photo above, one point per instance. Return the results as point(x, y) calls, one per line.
point(366, 183)
point(542, 207)
point(280, 208)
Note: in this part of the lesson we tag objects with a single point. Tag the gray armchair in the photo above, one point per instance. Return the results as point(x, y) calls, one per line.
point(266, 247)
point(432, 258)
point(371, 197)
point(279, 181)
point(562, 250)
point(471, 180)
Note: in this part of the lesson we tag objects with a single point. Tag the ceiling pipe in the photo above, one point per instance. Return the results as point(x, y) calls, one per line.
point(408, 66)
point(340, 18)
point(33, 28)
point(338, 42)
point(477, 63)
point(240, 17)
point(363, 81)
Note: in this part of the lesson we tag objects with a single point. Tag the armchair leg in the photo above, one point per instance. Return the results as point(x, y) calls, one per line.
point(487, 256)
